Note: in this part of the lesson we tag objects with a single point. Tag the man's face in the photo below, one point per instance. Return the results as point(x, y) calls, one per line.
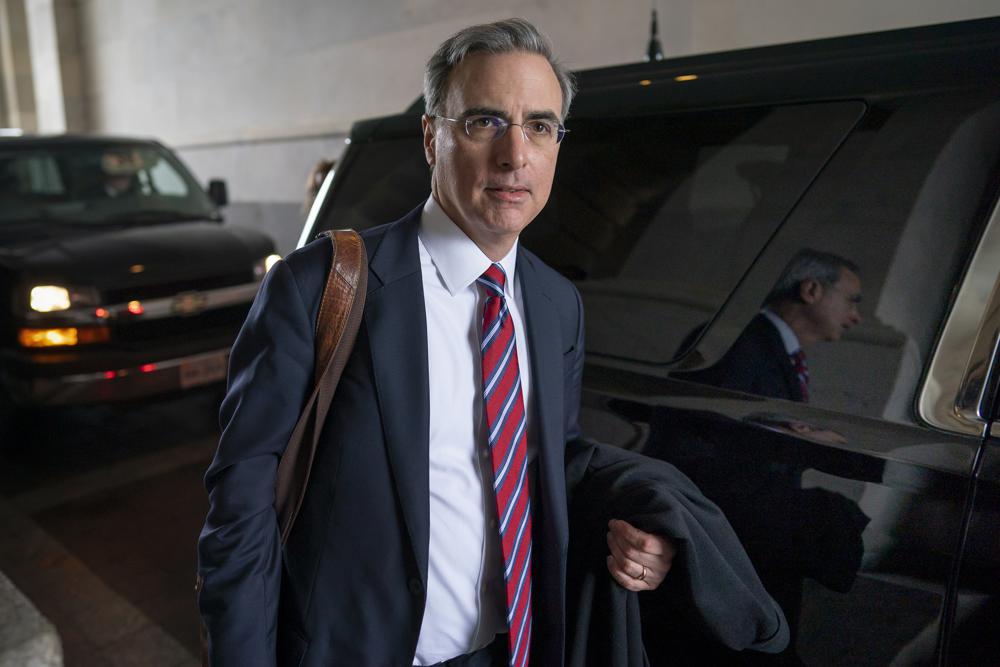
point(836, 308)
point(117, 183)
point(493, 190)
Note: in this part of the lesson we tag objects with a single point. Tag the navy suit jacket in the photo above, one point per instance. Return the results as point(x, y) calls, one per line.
point(348, 588)
point(757, 363)
point(355, 566)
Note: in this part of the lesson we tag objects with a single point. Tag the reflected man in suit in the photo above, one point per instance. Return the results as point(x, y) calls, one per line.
point(811, 533)
point(815, 299)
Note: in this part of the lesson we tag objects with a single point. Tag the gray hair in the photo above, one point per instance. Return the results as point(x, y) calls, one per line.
point(808, 264)
point(497, 38)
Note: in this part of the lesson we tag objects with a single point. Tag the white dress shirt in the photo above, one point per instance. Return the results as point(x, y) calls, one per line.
point(466, 603)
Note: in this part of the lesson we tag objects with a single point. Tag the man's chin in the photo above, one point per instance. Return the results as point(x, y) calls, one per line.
point(508, 221)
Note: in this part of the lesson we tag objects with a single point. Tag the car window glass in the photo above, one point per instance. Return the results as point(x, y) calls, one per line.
point(903, 201)
point(96, 182)
point(41, 175)
point(657, 217)
point(165, 181)
point(28, 173)
point(382, 182)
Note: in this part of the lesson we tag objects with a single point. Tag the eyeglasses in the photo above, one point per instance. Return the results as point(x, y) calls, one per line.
point(484, 129)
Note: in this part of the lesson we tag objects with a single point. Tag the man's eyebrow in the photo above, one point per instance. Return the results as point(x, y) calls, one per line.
point(484, 111)
point(531, 115)
point(542, 115)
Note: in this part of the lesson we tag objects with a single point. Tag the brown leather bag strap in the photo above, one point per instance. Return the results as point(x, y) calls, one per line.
point(337, 327)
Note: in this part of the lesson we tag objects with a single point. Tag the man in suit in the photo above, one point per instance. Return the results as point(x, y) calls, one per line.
point(815, 299)
point(434, 529)
point(819, 536)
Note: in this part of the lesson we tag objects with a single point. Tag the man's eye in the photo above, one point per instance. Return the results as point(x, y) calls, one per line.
point(484, 122)
point(541, 127)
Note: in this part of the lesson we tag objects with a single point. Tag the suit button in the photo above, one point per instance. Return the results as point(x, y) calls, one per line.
point(416, 588)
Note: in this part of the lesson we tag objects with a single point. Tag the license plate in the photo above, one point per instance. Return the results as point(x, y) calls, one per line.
point(203, 371)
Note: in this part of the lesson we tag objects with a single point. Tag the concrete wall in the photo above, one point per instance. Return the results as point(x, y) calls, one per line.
point(266, 179)
point(256, 91)
point(18, 104)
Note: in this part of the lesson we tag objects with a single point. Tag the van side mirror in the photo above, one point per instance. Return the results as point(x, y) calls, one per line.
point(218, 192)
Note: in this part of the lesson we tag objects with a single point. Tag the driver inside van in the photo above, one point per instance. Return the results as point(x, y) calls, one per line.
point(118, 174)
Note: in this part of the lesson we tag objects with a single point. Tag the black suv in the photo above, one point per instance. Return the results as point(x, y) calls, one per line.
point(685, 187)
point(117, 278)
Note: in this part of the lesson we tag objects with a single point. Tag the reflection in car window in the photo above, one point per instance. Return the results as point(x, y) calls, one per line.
point(816, 299)
point(904, 199)
point(657, 217)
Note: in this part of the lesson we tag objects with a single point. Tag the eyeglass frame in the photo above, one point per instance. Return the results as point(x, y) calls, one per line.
point(561, 129)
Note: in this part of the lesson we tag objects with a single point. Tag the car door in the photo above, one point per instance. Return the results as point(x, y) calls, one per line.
point(971, 343)
point(852, 506)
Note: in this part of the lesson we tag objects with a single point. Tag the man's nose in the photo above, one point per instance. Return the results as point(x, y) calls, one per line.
point(511, 150)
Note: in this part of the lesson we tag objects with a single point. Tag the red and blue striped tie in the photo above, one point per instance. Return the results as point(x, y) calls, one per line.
point(506, 426)
point(802, 372)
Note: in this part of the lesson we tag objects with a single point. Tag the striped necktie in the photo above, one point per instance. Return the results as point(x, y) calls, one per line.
point(506, 426)
point(802, 371)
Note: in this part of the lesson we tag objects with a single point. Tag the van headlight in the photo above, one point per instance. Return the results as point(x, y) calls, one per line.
point(49, 298)
point(263, 266)
point(54, 298)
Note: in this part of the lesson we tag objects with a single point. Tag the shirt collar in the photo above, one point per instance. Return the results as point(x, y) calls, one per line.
point(788, 336)
point(456, 257)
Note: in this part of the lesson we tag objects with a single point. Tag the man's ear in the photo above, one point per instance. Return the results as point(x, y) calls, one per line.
point(430, 148)
point(810, 291)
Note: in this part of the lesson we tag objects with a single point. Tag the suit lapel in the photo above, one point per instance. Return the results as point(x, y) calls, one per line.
point(544, 345)
point(780, 355)
point(396, 324)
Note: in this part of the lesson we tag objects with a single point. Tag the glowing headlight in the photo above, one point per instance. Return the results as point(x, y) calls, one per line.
point(49, 298)
point(264, 265)
point(55, 298)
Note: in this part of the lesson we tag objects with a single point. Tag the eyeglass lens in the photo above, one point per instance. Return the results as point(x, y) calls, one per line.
point(491, 128)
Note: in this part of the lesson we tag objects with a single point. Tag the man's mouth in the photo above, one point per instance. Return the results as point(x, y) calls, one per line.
point(511, 194)
point(508, 188)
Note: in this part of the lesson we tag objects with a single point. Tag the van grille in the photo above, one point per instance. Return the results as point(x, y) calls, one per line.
point(161, 290)
point(217, 321)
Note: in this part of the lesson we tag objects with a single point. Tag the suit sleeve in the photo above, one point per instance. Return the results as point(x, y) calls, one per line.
point(239, 551)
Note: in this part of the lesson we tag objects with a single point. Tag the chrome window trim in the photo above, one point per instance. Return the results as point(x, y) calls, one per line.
point(153, 309)
point(308, 234)
point(951, 393)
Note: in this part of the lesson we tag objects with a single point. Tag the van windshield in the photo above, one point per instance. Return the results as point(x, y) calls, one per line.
point(94, 183)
